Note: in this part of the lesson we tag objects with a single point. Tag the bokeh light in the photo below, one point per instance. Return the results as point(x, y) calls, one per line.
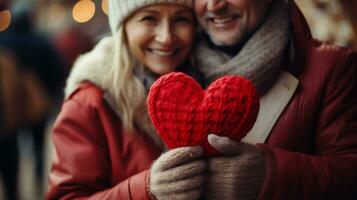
point(5, 19)
point(105, 6)
point(56, 14)
point(83, 11)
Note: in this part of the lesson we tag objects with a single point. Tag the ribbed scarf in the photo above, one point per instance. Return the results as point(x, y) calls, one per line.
point(260, 58)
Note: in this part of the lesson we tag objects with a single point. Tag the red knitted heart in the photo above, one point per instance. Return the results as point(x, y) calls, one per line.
point(184, 114)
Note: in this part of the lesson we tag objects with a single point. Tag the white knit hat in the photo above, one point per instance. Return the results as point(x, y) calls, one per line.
point(119, 10)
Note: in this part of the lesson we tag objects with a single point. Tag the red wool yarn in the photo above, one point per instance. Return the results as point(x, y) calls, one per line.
point(184, 114)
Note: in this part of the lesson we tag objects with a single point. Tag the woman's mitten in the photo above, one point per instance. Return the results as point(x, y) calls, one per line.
point(178, 174)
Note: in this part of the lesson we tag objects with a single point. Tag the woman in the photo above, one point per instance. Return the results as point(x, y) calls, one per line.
point(104, 140)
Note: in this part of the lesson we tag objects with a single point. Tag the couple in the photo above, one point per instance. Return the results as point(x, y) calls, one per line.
point(106, 146)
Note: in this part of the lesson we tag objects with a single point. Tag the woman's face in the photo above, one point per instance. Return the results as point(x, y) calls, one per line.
point(161, 36)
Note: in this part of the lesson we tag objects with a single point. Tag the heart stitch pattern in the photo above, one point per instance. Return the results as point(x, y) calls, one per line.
point(184, 114)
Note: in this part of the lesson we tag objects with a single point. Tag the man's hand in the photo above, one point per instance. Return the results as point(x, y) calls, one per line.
point(178, 174)
point(238, 174)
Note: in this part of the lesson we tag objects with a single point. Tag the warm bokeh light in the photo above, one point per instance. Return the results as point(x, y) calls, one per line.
point(56, 14)
point(83, 11)
point(105, 6)
point(5, 19)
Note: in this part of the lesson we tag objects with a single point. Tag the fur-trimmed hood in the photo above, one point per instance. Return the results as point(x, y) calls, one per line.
point(95, 66)
point(92, 66)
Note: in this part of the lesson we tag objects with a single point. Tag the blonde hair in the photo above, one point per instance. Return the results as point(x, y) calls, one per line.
point(128, 89)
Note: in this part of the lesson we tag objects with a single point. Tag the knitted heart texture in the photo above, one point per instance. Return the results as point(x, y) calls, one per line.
point(184, 114)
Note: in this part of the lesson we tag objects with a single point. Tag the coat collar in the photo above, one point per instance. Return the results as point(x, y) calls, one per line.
point(301, 40)
point(92, 66)
point(300, 29)
point(272, 104)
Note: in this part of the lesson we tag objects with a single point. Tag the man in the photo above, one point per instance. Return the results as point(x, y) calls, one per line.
point(304, 143)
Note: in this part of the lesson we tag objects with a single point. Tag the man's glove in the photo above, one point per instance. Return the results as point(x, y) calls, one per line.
point(178, 174)
point(238, 174)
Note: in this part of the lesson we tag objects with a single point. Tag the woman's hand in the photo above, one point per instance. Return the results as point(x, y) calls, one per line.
point(178, 174)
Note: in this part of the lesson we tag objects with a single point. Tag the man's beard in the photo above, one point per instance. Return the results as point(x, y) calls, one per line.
point(237, 39)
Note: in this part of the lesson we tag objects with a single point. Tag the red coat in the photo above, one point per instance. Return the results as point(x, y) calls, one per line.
point(313, 145)
point(93, 158)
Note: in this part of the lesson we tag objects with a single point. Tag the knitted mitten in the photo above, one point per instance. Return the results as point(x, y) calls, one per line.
point(178, 174)
point(239, 174)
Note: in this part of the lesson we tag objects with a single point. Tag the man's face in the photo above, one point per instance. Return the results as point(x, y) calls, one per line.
point(227, 22)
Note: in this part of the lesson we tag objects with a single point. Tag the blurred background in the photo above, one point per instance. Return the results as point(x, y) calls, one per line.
point(40, 40)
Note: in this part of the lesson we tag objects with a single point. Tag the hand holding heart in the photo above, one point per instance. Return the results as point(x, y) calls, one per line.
point(184, 114)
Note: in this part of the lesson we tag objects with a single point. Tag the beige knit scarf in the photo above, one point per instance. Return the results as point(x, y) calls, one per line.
point(260, 58)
